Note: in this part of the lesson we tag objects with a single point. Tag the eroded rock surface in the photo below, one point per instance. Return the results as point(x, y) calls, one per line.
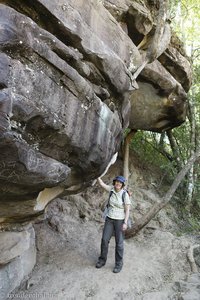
point(67, 93)
point(18, 257)
point(12, 245)
point(59, 69)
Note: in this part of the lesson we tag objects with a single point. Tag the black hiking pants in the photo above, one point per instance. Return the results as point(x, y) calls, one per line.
point(111, 226)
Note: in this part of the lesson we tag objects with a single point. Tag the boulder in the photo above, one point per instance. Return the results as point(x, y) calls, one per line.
point(136, 16)
point(21, 257)
point(54, 121)
point(159, 103)
point(170, 75)
point(12, 245)
point(178, 65)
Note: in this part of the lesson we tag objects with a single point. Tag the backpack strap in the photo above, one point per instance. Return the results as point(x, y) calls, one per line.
point(123, 196)
point(110, 194)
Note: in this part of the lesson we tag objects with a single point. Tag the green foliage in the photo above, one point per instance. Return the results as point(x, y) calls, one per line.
point(182, 137)
point(185, 17)
point(146, 145)
point(187, 24)
point(192, 226)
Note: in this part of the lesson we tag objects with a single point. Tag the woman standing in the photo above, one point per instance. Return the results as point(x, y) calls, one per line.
point(116, 221)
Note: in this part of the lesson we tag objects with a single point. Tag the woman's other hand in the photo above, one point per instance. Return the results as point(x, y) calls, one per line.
point(124, 226)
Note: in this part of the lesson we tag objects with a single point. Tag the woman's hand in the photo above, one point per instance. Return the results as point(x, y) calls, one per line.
point(124, 226)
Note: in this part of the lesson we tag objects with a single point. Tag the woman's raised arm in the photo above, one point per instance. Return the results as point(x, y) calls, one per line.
point(103, 185)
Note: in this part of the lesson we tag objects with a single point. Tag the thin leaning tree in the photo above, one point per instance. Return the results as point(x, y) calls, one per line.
point(162, 202)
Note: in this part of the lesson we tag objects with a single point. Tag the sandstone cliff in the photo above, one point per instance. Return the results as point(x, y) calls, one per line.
point(68, 91)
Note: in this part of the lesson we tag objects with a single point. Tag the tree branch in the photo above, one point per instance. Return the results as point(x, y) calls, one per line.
point(141, 222)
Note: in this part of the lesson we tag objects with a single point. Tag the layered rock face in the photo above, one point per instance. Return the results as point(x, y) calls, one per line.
point(68, 91)
point(18, 257)
point(160, 102)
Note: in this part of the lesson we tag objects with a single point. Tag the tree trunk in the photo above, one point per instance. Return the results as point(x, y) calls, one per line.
point(140, 223)
point(162, 138)
point(174, 148)
point(126, 154)
point(191, 175)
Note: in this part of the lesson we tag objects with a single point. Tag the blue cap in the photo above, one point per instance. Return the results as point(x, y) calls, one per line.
point(120, 179)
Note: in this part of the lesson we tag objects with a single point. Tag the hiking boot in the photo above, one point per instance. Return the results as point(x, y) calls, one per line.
point(100, 264)
point(117, 269)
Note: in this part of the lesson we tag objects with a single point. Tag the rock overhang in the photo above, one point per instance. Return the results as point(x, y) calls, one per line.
point(66, 94)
